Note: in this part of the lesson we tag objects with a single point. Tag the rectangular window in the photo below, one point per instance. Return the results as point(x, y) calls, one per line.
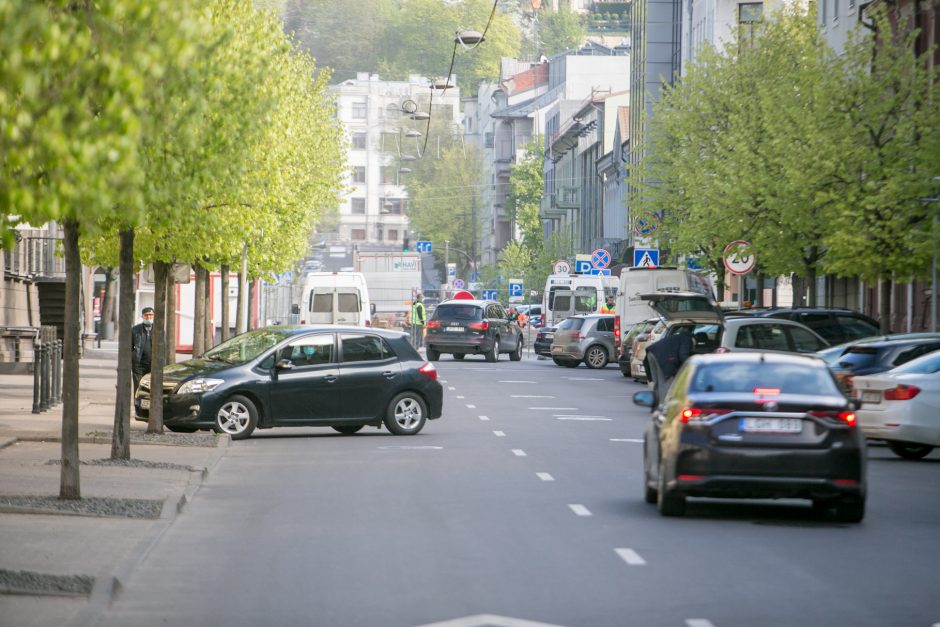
point(357, 234)
point(359, 110)
point(489, 141)
point(357, 205)
point(748, 15)
point(393, 206)
point(359, 141)
point(393, 235)
point(389, 175)
point(359, 174)
point(389, 142)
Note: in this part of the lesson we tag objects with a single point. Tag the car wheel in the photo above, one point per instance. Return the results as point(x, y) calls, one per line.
point(595, 357)
point(909, 450)
point(850, 509)
point(571, 363)
point(516, 355)
point(348, 429)
point(433, 354)
point(493, 355)
point(668, 503)
point(237, 417)
point(649, 494)
point(182, 429)
point(558, 361)
point(406, 414)
point(459, 356)
point(626, 374)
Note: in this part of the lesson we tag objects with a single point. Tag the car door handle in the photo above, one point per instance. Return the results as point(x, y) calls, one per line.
point(330, 378)
point(389, 374)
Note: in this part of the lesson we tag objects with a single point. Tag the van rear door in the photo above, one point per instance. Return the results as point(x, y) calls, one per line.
point(336, 306)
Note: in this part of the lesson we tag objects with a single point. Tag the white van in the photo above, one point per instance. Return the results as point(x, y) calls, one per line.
point(336, 298)
point(569, 294)
point(634, 282)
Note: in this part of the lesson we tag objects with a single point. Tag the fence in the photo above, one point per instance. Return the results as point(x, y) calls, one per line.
point(47, 370)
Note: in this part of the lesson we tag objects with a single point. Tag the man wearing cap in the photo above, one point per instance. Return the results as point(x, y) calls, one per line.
point(141, 346)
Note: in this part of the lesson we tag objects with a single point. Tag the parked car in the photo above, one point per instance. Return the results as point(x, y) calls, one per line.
point(300, 376)
point(543, 341)
point(831, 355)
point(833, 324)
point(625, 355)
point(875, 357)
point(472, 327)
point(584, 338)
point(768, 334)
point(902, 406)
point(748, 425)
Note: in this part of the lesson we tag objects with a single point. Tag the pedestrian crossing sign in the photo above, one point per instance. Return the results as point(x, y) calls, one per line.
point(646, 258)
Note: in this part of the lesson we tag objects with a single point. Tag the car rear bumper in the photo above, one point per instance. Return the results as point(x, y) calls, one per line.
point(542, 348)
point(451, 345)
point(757, 486)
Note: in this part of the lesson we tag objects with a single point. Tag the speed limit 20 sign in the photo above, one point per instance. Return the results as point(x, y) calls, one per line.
point(739, 258)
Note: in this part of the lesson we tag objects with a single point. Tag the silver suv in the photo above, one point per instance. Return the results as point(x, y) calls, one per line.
point(588, 338)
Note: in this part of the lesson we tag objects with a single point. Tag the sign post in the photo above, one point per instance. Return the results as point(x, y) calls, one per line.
point(739, 259)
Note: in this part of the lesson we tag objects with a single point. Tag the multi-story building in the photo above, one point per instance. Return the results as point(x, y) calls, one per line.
point(383, 140)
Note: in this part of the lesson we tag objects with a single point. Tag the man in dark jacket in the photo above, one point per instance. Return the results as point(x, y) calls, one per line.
point(141, 346)
point(663, 360)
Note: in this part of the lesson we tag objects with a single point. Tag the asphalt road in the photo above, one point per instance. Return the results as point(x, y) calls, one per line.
point(523, 502)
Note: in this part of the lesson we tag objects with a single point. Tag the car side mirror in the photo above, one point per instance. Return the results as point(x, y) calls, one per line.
point(284, 364)
point(646, 398)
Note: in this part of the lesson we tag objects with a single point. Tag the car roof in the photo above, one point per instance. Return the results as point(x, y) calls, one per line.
point(300, 329)
point(893, 343)
point(748, 320)
point(759, 357)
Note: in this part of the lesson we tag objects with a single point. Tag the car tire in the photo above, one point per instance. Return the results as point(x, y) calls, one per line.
point(516, 355)
point(348, 429)
point(406, 414)
point(182, 429)
point(849, 509)
point(558, 361)
point(459, 356)
point(668, 503)
point(626, 374)
point(433, 354)
point(493, 354)
point(649, 494)
point(571, 363)
point(237, 417)
point(595, 357)
point(909, 450)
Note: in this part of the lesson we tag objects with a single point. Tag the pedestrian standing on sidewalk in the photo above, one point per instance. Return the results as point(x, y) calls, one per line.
point(141, 345)
point(418, 318)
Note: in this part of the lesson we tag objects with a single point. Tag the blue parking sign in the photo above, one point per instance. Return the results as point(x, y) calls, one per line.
point(515, 289)
point(489, 294)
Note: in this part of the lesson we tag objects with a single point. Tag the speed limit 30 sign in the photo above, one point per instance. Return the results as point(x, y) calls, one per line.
point(739, 258)
point(561, 267)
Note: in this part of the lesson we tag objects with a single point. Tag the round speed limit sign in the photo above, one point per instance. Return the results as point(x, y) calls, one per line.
point(739, 258)
point(561, 267)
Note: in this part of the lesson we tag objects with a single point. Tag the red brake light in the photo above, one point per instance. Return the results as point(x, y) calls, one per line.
point(578, 335)
point(617, 332)
point(902, 393)
point(696, 414)
point(479, 326)
point(766, 391)
point(429, 371)
point(434, 324)
point(845, 416)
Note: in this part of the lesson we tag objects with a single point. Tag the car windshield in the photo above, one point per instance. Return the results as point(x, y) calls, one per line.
point(745, 377)
point(458, 312)
point(245, 347)
point(928, 364)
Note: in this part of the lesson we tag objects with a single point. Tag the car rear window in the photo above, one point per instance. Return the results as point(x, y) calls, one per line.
point(571, 324)
point(762, 336)
point(859, 357)
point(855, 327)
point(744, 377)
point(927, 364)
point(458, 312)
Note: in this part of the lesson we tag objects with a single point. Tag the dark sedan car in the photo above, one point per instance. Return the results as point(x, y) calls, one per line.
point(543, 341)
point(755, 425)
point(874, 357)
point(300, 376)
point(473, 327)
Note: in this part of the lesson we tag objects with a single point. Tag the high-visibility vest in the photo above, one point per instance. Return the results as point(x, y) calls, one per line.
point(417, 313)
point(607, 309)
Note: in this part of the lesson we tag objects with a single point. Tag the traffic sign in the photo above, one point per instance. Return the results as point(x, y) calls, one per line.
point(424, 246)
point(646, 258)
point(451, 270)
point(739, 258)
point(582, 266)
point(600, 258)
point(490, 294)
point(515, 288)
point(458, 283)
point(561, 267)
point(600, 271)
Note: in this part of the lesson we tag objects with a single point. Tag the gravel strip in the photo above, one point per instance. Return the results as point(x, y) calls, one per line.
point(90, 506)
point(170, 438)
point(127, 463)
point(26, 582)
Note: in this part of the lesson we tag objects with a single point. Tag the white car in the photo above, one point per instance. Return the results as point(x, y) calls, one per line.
point(902, 406)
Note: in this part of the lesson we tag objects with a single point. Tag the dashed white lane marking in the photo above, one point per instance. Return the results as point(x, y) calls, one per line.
point(580, 510)
point(460, 397)
point(529, 396)
point(484, 417)
point(469, 406)
point(630, 556)
point(584, 378)
point(637, 440)
point(704, 622)
point(443, 380)
point(556, 408)
point(499, 434)
point(568, 417)
point(518, 452)
point(516, 381)
point(544, 476)
point(451, 388)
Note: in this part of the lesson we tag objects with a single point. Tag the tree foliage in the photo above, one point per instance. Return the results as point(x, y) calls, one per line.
point(560, 31)
point(526, 183)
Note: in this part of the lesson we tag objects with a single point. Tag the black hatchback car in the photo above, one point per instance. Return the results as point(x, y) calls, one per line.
point(300, 376)
point(834, 324)
point(755, 425)
point(472, 327)
point(874, 357)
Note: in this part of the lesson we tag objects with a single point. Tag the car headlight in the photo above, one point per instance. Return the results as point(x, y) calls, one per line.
point(198, 386)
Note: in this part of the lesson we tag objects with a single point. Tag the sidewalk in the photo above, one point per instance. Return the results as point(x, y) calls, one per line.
point(61, 562)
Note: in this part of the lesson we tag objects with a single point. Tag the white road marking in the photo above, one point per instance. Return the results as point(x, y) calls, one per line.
point(704, 622)
point(556, 408)
point(580, 510)
point(484, 417)
point(583, 418)
point(443, 380)
point(637, 440)
point(410, 448)
point(489, 620)
point(630, 556)
point(518, 452)
point(460, 397)
point(529, 396)
point(544, 476)
point(499, 434)
point(451, 388)
point(516, 381)
point(584, 379)
point(469, 406)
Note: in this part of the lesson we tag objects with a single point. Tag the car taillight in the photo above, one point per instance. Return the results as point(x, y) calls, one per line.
point(429, 371)
point(578, 335)
point(722, 349)
point(434, 324)
point(844, 416)
point(697, 414)
point(766, 391)
point(479, 326)
point(617, 332)
point(902, 393)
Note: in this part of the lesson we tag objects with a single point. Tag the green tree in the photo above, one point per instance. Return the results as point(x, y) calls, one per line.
point(526, 182)
point(560, 30)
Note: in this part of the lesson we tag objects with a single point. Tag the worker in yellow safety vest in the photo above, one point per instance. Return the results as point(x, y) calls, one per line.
point(609, 307)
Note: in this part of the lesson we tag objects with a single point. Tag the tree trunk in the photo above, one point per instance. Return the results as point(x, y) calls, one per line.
point(70, 482)
point(720, 286)
point(810, 286)
point(209, 336)
point(241, 324)
point(107, 306)
point(759, 295)
point(250, 305)
point(121, 437)
point(199, 312)
point(161, 271)
point(223, 301)
point(884, 305)
point(170, 321)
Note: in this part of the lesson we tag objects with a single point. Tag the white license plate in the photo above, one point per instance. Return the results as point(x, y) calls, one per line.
point(871, 396)
point(771, 425)
point(454, 329)
point(145, 403)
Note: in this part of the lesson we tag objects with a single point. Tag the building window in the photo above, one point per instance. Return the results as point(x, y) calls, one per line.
point(389, 141)
point(359, 141)
point(393, 235)
point(748, 14)
point(359, 110)
point(357, 205)
point(489, 141)
point(388, 175)
point(359, 174)
point(393, 206)
point(357, 234)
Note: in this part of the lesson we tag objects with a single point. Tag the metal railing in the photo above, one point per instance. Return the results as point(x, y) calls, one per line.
point(34, 257)
point(47, 370)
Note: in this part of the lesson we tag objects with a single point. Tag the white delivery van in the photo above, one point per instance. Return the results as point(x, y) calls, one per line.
point(569, 294)
point(634, 282)
point(336, 298)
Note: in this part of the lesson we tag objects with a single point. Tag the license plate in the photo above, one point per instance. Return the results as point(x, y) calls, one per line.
point(145, 403)
point(771, 425)
point(454, 329)
point(871, 396)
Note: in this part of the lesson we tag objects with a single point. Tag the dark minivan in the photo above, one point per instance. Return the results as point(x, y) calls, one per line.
point(472, 327)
